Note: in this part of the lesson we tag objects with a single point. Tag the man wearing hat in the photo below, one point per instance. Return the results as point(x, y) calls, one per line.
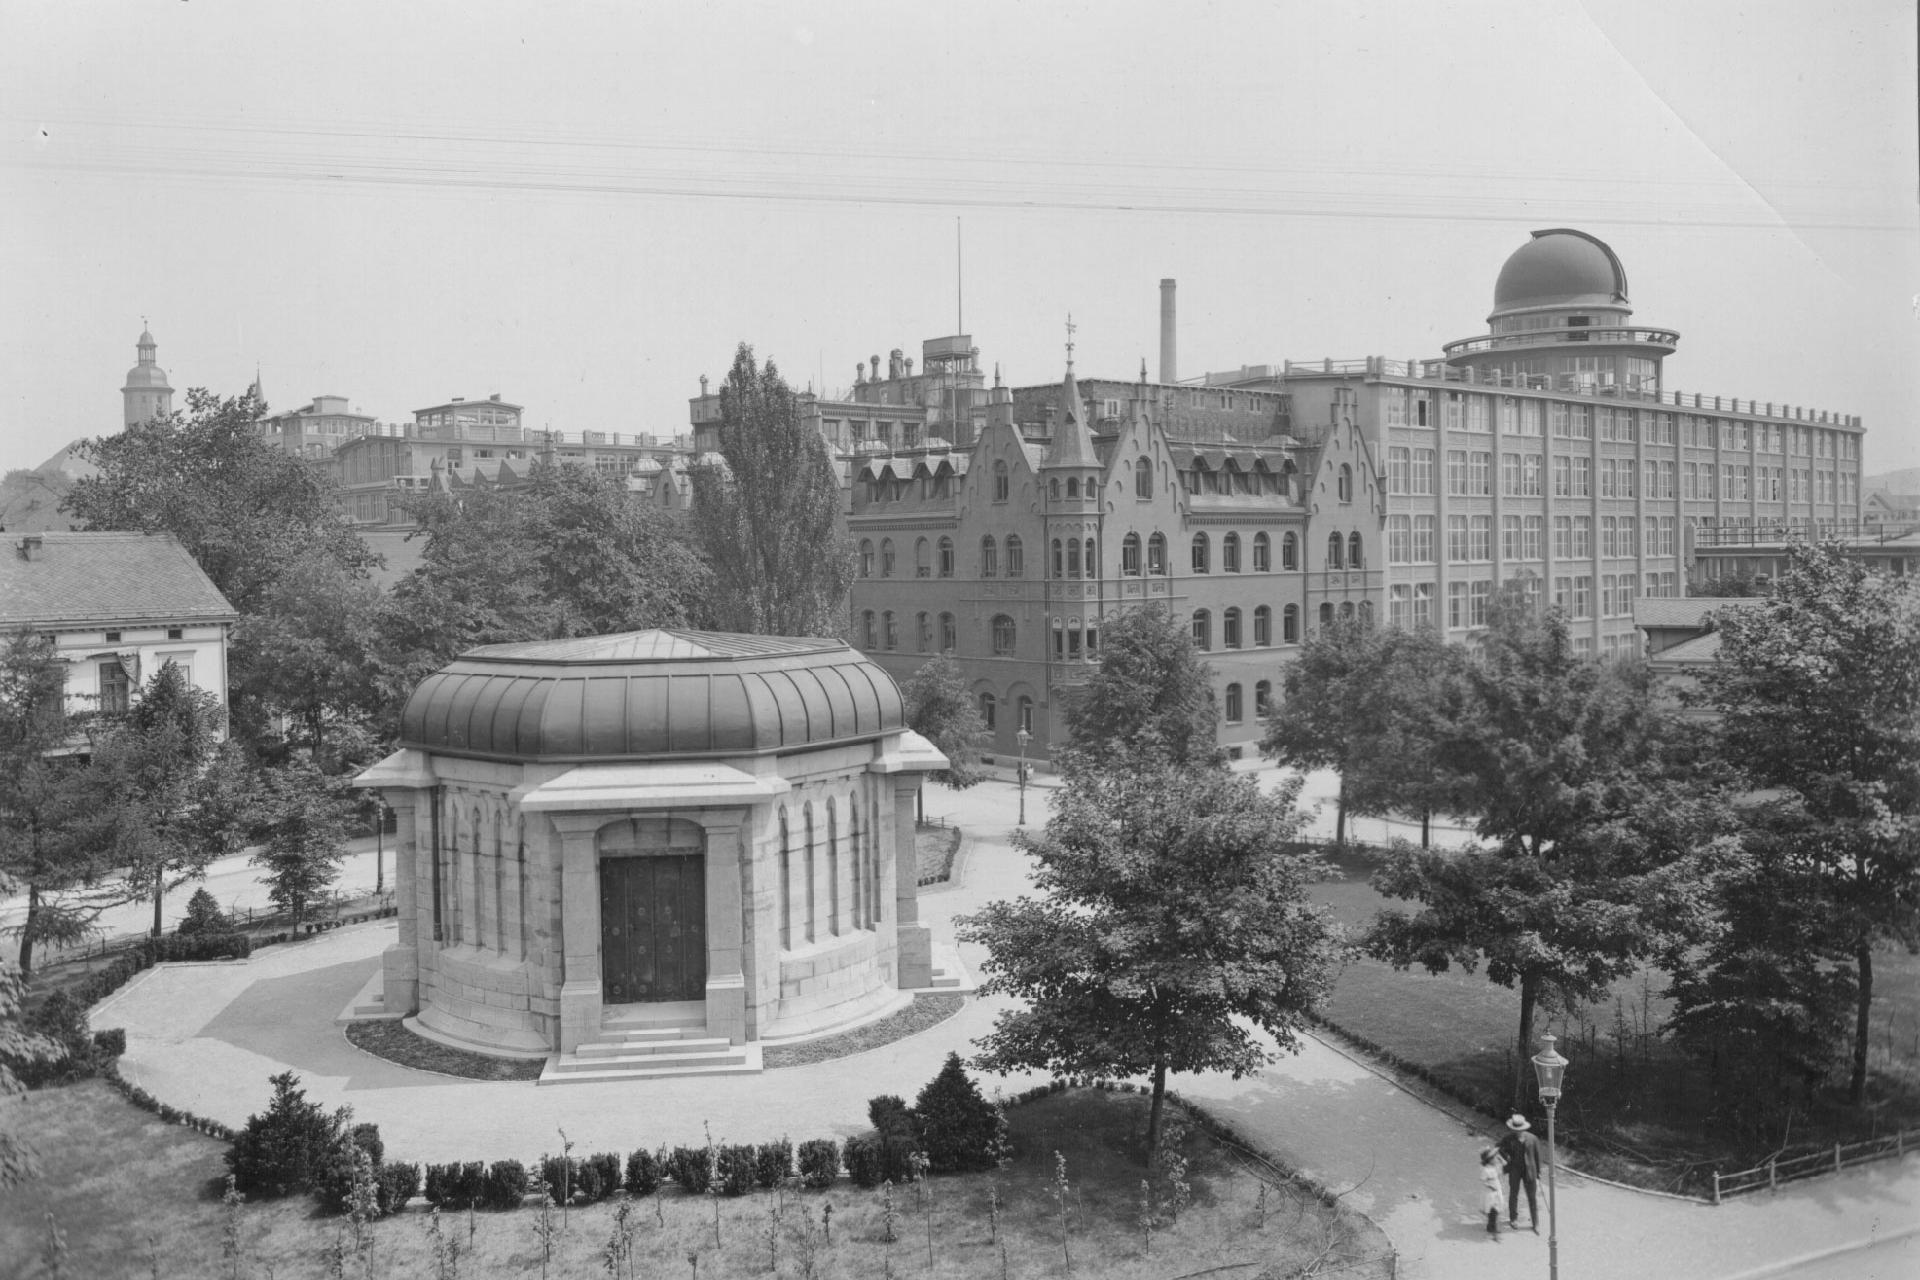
point(1522, 1153)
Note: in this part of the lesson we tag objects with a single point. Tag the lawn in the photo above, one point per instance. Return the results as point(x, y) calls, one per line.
point(1634, 1108)
point(136, 1198)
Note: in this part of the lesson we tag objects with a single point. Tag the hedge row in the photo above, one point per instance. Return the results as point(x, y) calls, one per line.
point(147, 1102)
point(1482, 1103)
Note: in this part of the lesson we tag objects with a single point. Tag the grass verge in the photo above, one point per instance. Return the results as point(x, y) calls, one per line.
point(134, 1197)
point(934, 848)
point(389, 1038)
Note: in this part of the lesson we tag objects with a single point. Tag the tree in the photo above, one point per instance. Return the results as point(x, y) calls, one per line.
point(569, 553)
point(18, 1044)
point(303, 822)
point(39, 801)
point(940, 709)
point(245, 510)
point(1561, 762)
point(1150, 700)
point(1817, 689)
point(768, 515)
point(171, 797)
point(1173, 919)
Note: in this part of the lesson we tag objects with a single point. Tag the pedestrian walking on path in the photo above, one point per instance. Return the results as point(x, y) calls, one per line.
point(1490, 1180)
point(1522, 1152)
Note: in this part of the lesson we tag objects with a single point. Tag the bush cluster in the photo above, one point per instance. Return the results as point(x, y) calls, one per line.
point(643, 1172)
point(287, 1148)
point(773, 1163)
point(78, 1053)
point(692, 1168)
point(506, 1185)
point(456, 1186)
point(951, 1123)
point(819, 1160)
point(333, 1182)
point(733, 1169)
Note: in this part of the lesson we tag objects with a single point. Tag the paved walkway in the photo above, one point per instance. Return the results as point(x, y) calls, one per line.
point(207, 1038)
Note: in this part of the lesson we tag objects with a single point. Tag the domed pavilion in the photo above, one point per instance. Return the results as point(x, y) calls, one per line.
point(652, 849)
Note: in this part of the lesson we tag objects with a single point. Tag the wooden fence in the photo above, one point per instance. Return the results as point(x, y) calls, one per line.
point(1776, 1170)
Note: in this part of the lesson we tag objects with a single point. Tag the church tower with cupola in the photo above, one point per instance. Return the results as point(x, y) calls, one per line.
point(146, 395)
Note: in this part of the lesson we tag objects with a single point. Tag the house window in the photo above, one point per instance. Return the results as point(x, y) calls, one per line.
point(922, 563)
point(1024, 713)
point(1234, 714)
point(113, 637)
point(114, 687)
point(1262, 553)
point(1130, 556)
point(989, 558)
point(892, 632)
point(923, 632)
point(949, 634)
point(1290, 624)
point(1230, 553)
point(866, 557)
point(1059, 557)
point(1000, 481)
point(1230, 629)
point(1263, 699)
point(1262, 627)
point(1289, 552)
point(1202, 629)
point(1201, 556)
point(946, 557)
point(1157, 554)
point(1354, 559)
point(1346, 483)
point(1143, 479)
point(174, 633)
point(886, 557)
point(1336, 549)
point(1003, 636)
point(1016, 557)
point(1326, 611)
point(989, 705)
point(868, 630)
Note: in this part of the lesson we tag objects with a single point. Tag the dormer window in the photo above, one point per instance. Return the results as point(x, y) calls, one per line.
point(174, 633)
point(113, 637)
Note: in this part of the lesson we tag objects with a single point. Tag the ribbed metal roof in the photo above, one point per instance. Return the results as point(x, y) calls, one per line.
point(647, 695)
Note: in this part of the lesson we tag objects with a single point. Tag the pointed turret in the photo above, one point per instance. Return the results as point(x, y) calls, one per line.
point(1072, 444)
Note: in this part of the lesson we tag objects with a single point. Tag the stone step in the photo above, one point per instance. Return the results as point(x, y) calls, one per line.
point(572, 1069)
point(653, 1048)
point(650, 1035)
point(946, 980)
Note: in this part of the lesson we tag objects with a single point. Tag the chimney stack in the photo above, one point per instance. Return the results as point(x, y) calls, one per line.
point(1169, 372)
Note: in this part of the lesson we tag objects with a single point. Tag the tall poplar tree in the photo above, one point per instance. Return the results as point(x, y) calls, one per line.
point(769, 515)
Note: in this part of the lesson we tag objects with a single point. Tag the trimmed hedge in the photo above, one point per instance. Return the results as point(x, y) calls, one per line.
point(819, 1162)
point(599, 1175)
point(733, 1169)
point(505, 1186)
point(643, 1173)
point(773, 1163)
point(692, 1168)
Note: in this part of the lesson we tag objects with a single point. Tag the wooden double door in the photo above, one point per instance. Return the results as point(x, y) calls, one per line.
point(653, 928)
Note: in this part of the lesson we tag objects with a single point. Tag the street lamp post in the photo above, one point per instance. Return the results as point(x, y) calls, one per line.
point(1023, 738)
point(1548, 1068)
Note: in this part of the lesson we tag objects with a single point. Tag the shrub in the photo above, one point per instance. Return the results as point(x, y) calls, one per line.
point(399, 1183)
point(599, 1175)
point(891, 1116)
point(643, 1173)
point(284, 1149)
point(110, 1043)
point(819, 1162)
point(204, 916)
point(960, 1130)
point(896, 1160)
point(506, 1185)
point(773, 1163)
point(864, 1162)
point(456, 1186)
point(733, 1169)
point(561, 1177)
point(691, 1168)
point(333, 1182)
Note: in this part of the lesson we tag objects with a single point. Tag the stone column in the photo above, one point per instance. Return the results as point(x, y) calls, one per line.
point(727, 838)
point(916, 941)
point(580, 991)
point(400, 963)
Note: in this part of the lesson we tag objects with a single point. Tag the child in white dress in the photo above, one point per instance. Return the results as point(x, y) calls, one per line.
point(1490, 1181)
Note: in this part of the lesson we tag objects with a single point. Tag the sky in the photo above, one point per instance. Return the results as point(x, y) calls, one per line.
point(585, 207)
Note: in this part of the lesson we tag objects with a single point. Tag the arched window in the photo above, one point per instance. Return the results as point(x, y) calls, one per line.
point(1262, 553)
point(1230, 629)
point(1336, 548)
point(949, 634)
point(1130, 555)
point(1289, 552)
point(1202, 629)
point(1142, 479)
point(867, 630)
point(1346, 483)
point(922, 559)
point(1262, 627)
point(989, 709)
point(866, 557)
point(1001, 483)
point(1201, 554)
point(1354, 559)
point(1346, 609)
point(1016, 557)
point(946, 557)
point(1326, 615)
point(786, 883)
point(886, 557)
point(1157, 553)
point(1366, 613)
point(891, 632)
point(1002, 635)
point(1059, 558)
point(1230, 553)
point(1024, 713)
point(1263, 700)
point(1059, 629)
point(1290, 624)
point(1053, 488)
point(1073, 487)
point(1234, 712)
point(1073, 557)
point(989, 559)
point(923, 632)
